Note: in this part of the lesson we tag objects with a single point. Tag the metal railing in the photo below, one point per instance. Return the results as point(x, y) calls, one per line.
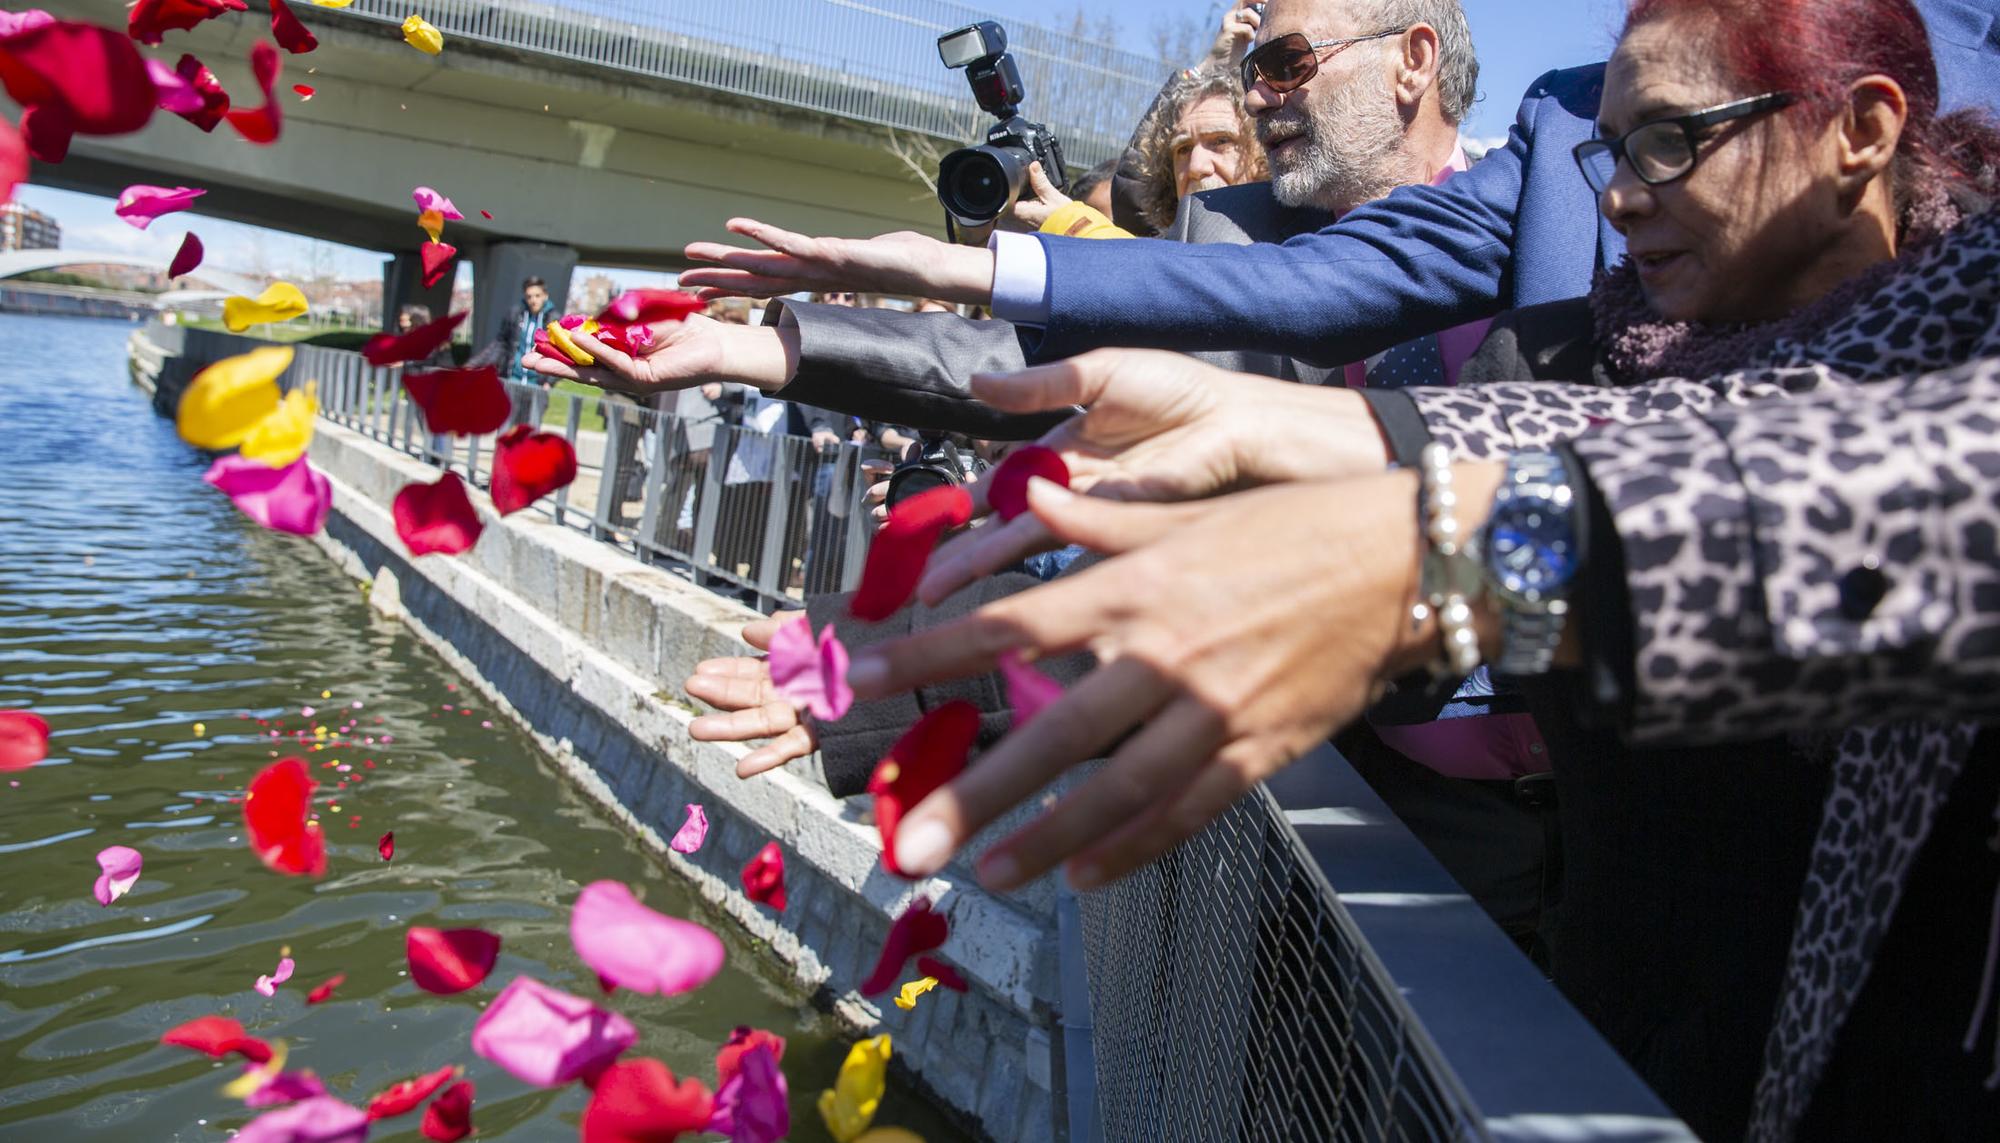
point(874, 61)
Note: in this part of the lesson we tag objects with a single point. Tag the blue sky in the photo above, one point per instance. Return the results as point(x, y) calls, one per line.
point(1517, 40)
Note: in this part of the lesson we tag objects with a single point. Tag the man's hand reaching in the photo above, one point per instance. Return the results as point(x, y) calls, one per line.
point(900, 263)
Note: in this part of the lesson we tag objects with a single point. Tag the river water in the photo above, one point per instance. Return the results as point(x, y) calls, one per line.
point(165, 639)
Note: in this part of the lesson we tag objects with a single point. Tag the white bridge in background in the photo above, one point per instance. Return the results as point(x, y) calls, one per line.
point(14, 263)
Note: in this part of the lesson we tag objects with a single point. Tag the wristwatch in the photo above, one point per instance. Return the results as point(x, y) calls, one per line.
point(1530, 552)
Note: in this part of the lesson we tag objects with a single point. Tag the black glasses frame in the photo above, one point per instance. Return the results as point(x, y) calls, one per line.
point(1297, 42)
point(1690, 125)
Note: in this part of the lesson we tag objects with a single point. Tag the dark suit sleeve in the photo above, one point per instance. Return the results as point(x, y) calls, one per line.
point(909, 369)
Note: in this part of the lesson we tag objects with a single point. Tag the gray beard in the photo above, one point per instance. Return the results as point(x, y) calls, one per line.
point(1352, 152)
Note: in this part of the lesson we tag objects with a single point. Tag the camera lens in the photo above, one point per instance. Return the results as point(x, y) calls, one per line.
point(977, 184)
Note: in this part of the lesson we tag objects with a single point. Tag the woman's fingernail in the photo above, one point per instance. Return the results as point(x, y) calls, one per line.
point(1084, 878)
point(999, 871)
point(867, 673)
point(922, 847)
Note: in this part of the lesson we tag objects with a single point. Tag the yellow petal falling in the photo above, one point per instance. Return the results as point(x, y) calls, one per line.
point(907, 998)
point(433, 223)
point(332, 3)
point(422, 35)
point(282, 302)
point(282, 437)
point(228, 400)
point(560, 338)
point(849, 1105)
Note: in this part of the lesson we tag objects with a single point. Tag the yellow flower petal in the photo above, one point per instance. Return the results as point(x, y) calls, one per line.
point(226, 401)
point(422, 35)
point(560, 338)
point(333, 3)
point(433, 223)
point(282, 437)
point(889, 1135)
point(243, 1086)
point(849, 1105)
point(907, 998)
point(282, 302)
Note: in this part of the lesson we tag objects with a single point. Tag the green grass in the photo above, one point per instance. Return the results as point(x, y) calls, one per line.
point(558, 415)
point(284, 331)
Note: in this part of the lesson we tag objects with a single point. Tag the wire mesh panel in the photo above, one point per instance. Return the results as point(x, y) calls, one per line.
point(1233, 998)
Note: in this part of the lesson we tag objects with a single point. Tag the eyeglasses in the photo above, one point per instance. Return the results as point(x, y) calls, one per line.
point(1666, 149)
point(1290, 61)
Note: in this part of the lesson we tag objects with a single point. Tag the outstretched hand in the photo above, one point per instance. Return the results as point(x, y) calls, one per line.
point(901, 263)
point(740, 687)
point(682, 354)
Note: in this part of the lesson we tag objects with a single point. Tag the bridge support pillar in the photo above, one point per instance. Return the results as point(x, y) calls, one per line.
point(403, 285)
point(497, 274)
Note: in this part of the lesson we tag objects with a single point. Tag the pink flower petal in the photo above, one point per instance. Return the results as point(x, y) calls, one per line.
point(24, 739)
point(121, 865)
point(322, 1119)
point(13, 22)
point(187, 257)
point(811, 676)
point(428, 199)
point(752, 1106)
point(1028, 690)
point(280, 1088)
point(294, 499)
point(386, 845)
point(630, 946)
point(268, 985)
point(545, 1037)
point(140, 204)
point(693, 831)
point(178, 93)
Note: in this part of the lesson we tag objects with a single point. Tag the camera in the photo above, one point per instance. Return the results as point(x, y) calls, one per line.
point(933, 462)
point(978, 184)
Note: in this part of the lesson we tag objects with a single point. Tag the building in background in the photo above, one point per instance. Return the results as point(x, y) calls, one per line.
point(25, 228)
point(592, 294)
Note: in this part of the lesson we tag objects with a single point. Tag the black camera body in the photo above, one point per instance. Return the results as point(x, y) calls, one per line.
point(976, 185)
point(933, 462)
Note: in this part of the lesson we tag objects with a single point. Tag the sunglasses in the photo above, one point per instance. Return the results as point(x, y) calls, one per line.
point(1290, 61)
point(1667, 149)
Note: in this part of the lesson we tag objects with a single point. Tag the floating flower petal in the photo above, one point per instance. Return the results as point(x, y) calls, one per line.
point(419, 343)
point(269, 1085)
point(228, 400)
point(906, 997)
point(633, 947)
point(15, 22)
point(214, 101)
point(294, 499)
point(927, 756)
point(916, 930)
point(637, 1101)
point(47, 130)
point(281, 301)
point(276, 809)
point(323, 991)
point(386, 845)
point(472, 401)
point(643, 307)
point(449, 961)
point(331, 3)
point(1007, 488)
point(944, 973)
point(752, 1106)
point(528, 465)
point(282, 437)
point(24, 739)
point(176, 93)
point(85, 79)
point(693, 831)
point(899, 551)
point(1028, 690)
point(120, 866)
point(811, 676)
point(429, 201)
point(449, 1117)
point(304, 91)
point(261, 125)
point(405, 1097)
point(436, 257)
point(151, 19)
point(849, 1106)
point(436, 517)
point(187, 257)
point(545, 1037)
point(268, 985)
point(743, 1039)
point(322, 1119)
point(420, 34)
point(432, 223)
point(218, 1036)
point(13, 160)
point(764, 877)
point(290, 32)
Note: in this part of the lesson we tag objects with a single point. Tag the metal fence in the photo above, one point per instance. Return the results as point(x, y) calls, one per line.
point(874, 61)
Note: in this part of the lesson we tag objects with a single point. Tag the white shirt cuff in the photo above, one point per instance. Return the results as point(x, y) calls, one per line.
point(1020, 278)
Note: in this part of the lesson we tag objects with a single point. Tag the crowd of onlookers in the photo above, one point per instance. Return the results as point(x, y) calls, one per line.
point(1623, 504)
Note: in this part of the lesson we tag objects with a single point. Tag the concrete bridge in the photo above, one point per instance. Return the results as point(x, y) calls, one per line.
point(608, 131)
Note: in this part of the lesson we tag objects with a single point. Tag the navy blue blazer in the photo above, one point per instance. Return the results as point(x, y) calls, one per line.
point(1519, 228)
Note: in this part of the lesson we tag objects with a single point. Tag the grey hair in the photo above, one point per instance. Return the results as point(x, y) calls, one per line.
point(1458, 63)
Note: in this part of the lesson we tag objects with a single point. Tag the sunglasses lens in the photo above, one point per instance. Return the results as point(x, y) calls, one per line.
point(1282, 64)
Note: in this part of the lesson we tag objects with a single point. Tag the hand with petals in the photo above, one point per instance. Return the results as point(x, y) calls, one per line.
point(683, 354)
point(1162, 427)
point(901, 263)
point(741, 688)
point(1267, 621)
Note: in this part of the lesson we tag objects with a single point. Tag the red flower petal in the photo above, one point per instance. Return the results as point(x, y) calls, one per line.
point(152, 18)
point(449, 1117)
point(76, 78)
point(214, 100)
point(303, 91)
point(47, 129)
point(276, 810)
point(897, 556)
point(437, 258)
point(24, 739)
point(13, 160)
point(218, 1036)
point(261, 124)
point(946, 975)
point(741, 1042)
point(324, 992)
point(446, 961)
point(643, 307)
point(470, 401)
point(419, 343)
point(436, 517)
point(187, 257)
point(917, 930)
point(1007, 488)
point(927, 756)
point(405, 1097)
point(386, 845)
point(291, 34)
point(637, 1101)
point(527, 466)
point(486, 214)
point(764, 877)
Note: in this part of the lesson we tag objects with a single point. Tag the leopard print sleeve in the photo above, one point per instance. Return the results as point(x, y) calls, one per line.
point(1801, 563)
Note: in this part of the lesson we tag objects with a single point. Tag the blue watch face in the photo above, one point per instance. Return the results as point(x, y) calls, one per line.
point(1531, 549)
